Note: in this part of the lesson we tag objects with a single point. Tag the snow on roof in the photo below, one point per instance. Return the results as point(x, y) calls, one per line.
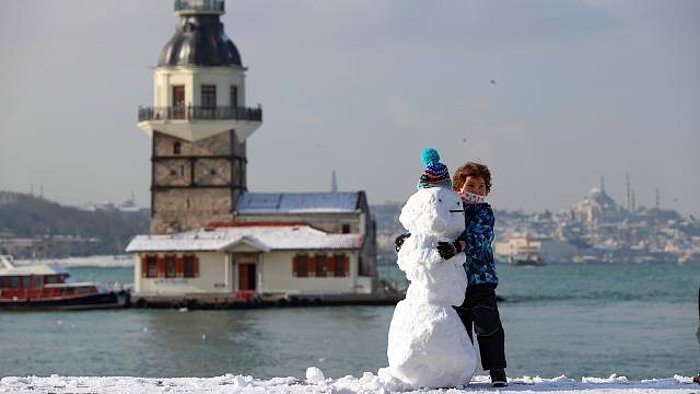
point(262, 237)
point(298, 202)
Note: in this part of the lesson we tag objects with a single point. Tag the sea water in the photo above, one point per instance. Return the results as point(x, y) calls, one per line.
point(579, 320)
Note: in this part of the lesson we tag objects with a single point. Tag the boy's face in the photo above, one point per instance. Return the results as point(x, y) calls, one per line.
point(476, 185)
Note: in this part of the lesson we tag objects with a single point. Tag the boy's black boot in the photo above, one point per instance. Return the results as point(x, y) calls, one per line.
point(498, 378)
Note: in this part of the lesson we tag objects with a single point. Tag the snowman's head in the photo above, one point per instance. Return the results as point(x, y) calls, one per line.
point(435, 210)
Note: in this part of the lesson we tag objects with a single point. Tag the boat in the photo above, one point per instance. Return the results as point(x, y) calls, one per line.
point(587, 259)
point(50, 287)
point(689, 258)
point(525, 259)
point(524, 252)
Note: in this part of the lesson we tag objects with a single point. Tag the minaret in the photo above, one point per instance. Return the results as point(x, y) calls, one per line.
point(198, 123)
point(658, 199)
point(629, 193)
point(334, 182)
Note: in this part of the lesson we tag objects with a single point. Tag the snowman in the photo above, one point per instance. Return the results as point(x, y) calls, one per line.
point(428, 346)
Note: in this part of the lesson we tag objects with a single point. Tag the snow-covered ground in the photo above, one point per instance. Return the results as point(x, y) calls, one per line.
point(315, 382)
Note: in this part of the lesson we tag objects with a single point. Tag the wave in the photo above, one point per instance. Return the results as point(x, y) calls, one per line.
point(602, 296)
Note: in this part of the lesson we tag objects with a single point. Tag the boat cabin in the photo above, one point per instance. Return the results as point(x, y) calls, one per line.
point(35, 282)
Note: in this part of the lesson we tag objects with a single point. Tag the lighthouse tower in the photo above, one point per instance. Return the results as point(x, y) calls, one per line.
point(199, 123)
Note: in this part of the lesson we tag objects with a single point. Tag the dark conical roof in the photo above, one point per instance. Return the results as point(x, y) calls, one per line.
point(200, 40)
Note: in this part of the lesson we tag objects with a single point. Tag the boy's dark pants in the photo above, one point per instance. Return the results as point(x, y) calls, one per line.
point(480, 308)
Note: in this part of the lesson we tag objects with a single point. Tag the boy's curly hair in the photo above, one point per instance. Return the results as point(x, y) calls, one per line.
point(473, 169)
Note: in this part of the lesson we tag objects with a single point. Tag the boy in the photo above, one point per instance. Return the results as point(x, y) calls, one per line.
point(472, 182)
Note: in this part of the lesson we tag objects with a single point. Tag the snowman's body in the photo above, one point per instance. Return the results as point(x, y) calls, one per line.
point(428, 345)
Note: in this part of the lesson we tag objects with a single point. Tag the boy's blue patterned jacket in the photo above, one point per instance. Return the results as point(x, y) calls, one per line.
point(478, 235)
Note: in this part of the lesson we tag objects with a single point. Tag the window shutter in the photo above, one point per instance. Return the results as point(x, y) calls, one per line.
point(179, 267)
point(161, 267)
point(295, 265)
point(144, 266)
point(346, 265)
point(330, 265)
point(195, 263)
point(312, 265)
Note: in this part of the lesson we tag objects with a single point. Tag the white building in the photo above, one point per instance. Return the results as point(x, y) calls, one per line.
point(523, 250)
point(283, 244)
point(270, 259)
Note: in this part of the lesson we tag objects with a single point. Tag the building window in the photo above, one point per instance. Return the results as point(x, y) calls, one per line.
point(321, 265)
point(346, 229)
point(151, 267)
point(300, 265)
point(191, 266)
point(169, 266)
point(177, 148)
point(234, 96)
point(178, 102)
point(321, 261)
point(341, 265)
point(208, 96)
point(178, 96)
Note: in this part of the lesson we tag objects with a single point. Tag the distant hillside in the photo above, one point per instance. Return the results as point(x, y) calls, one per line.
point(23, 216)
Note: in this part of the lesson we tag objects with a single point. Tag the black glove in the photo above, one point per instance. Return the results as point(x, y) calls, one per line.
point(448, 250)
point(399, 241)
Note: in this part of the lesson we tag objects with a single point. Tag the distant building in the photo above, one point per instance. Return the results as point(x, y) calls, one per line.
point(598, 206)
point(519, 251)
point(526, 250)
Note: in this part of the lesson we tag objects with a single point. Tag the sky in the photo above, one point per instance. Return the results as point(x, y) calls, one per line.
point(551, 95)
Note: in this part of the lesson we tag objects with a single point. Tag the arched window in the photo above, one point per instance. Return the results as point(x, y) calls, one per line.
point(177, 148)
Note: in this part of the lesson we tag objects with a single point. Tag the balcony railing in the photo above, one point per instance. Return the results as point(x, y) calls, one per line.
point(215, 6)
point(200, 113)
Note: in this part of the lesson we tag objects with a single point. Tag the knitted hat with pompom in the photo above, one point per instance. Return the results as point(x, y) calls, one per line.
point(436, 174)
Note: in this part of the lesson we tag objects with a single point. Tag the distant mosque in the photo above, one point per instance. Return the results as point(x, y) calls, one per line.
point(210, 238)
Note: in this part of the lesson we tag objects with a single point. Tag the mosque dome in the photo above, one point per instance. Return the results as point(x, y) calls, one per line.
point(602, 199)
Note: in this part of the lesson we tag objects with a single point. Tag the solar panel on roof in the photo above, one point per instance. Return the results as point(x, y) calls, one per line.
point(297, 202)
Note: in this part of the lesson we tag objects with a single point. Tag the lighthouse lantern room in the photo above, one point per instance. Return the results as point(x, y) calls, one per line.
point(198, 124)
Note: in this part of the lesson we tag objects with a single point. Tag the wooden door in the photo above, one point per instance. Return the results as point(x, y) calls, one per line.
point(247, 276)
